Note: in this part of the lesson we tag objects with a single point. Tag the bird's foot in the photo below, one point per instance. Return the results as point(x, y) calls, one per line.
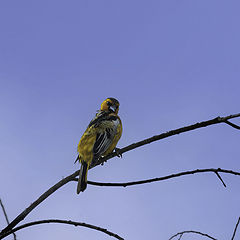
point(100, 159)
point(118, 152)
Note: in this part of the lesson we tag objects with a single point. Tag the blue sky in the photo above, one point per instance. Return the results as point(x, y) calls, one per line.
point(169, 63)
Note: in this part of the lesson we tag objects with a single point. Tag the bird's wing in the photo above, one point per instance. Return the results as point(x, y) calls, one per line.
point(104, 139)
point(100, 116)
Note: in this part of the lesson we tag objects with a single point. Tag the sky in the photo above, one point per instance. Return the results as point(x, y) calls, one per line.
point(170, 63)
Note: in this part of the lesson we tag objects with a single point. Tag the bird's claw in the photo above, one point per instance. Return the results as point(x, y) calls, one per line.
point(118, 152)
point(101, 160)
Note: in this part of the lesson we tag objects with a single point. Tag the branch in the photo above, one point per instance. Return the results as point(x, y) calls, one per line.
point(232, 125)
point(6, 217)
point(235, 229)
point(220, 178)
point(180, 236)
point(63, 222)
point(204, 234)
point(71, 177)
point(213, 121)
point(50, 191)
point(195, 232)
point(125, 184)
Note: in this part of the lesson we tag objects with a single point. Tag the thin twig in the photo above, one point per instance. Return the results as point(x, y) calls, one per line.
point(218, 175)
point(180, 236)
point(235, 229)
point(69, 178)
point(125, 184)
point(6, 217)
point(4, 211)
point(232, 125)
point(63, 222)
point(195, 232)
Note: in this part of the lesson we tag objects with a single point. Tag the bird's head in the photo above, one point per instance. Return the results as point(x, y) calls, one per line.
point(110, 105)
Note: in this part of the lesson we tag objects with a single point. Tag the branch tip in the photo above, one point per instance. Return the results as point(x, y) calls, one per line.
point(6, 217)
point(220, 178)
point(232, 125)
point(235, 229)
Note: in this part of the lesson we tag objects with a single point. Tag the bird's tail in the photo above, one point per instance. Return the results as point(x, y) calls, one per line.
point(82, 180)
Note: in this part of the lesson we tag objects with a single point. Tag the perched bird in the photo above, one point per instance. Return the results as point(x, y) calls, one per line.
point(99, 139)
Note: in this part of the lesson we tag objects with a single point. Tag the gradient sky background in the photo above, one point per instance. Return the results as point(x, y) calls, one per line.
point(169, 63)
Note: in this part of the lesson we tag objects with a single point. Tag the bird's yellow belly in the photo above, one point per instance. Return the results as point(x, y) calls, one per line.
point(85, 148)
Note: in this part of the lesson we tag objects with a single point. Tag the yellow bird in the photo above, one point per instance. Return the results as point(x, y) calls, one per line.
point(99, 139)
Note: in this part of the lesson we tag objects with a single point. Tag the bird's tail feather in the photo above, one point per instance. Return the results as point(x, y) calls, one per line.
point(82, 180)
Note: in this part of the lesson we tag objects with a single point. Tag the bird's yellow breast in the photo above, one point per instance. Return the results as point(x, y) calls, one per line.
point(86, 143)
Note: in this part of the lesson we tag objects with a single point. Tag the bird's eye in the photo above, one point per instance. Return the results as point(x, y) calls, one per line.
point(108, 103)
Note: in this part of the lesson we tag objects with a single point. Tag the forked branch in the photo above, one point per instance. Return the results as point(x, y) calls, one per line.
point(197, 171)
point(213, 121)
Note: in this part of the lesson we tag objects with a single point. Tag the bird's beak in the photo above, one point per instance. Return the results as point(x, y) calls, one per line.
point(113, 108)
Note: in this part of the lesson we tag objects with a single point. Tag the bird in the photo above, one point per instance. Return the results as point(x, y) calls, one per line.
point(99, 139)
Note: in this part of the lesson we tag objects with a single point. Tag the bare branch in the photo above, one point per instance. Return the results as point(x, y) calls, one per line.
point(235, 229)
point(213, 121)
point(4, 211)
point(180, 236)
point(195, 232)
point(218, 175)
point(6, 217)
point(232, 125)
point(71, 177)
point(63, 222)
point(50, 191)
point(125, 184)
